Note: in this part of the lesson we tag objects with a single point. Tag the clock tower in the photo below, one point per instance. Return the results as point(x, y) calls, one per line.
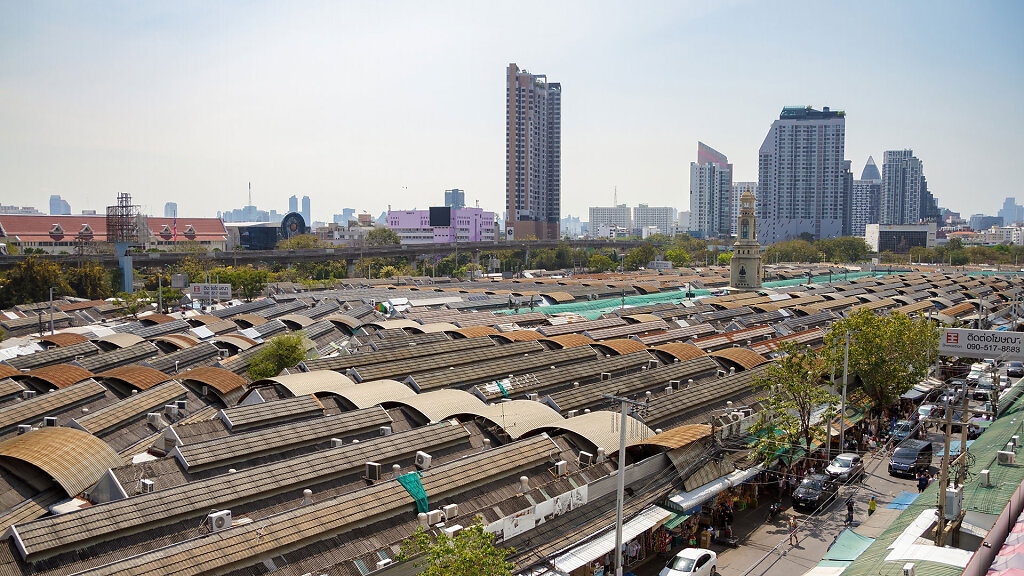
point(746, 252)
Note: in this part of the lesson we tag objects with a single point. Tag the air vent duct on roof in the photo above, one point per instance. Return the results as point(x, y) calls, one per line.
point(50, 422)
point(146, 486)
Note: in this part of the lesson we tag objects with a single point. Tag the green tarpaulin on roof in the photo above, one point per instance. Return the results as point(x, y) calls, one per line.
point(675, 520)
point(411, 483)
point(848, 546)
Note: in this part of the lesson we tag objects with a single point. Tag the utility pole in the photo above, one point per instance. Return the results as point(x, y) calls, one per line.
point(51, 310)
point(846, 380)
point(621, 473)
point(940, 526)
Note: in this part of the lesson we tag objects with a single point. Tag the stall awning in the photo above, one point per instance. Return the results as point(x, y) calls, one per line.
point(605, 542)
point(693, 498)
point(676, 520)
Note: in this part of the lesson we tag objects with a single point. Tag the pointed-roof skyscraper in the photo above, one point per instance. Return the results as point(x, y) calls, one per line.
point(870, 171)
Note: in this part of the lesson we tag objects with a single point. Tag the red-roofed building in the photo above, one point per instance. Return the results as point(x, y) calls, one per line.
point(57, 234)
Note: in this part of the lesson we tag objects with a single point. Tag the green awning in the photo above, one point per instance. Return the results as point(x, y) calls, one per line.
point(675, 520)
point(411, 483)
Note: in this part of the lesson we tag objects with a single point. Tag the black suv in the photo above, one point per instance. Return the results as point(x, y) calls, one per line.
point(911, 457)
point(815, 491)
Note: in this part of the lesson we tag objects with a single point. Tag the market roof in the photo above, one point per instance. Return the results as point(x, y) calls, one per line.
point(442, 404)
point(570, 340)
point(120, 340)
point(73, 458)
point(376, 392)
point(678, 437)
point(520, 335)
point(227, 384)
point(744, 357)
point(680, 351)
point(621, 345)
point(135, 376)
point(317, 382)
point(179, 341)
point(296, 321)
point(55, 376)
point(352, 324)
point(63, 339)
point(474, 331)
point(600, 428)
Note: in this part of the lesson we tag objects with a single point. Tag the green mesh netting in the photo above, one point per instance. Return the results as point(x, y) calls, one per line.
point(411, 483)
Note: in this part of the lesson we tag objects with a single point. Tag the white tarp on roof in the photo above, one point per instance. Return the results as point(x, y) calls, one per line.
point(594, 549)
point(687, 500)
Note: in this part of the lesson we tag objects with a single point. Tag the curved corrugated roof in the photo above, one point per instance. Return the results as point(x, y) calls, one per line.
point(236, 340)
point(179, 341)
point(474, 331)
point(63, 339)
point(296, 321)
point(518, 417)
point(156, 318)
point(744, 357)
point(141, 377)
point(433, 327)
point(560, 297)
point(345, 320)
point(221, 380)
point(122, 340)
point(8, 371)
point(369, 394)
point(570, 340)
point(246, 320)
point(202, 319)
point(520, 335)
point(443, 404)
point(637, 318)
point(317, 382)
point(396, 323)
point(601, 428)
point(73, 458)
point(621, 346)
point(678, 437)
point(680, 351)
point(57, 376)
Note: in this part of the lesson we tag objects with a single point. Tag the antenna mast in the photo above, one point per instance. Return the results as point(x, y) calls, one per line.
point(250, 193)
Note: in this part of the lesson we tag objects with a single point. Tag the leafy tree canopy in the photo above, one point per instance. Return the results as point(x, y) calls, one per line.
point(600, 263)
point(471, 552)
point(90, 280)
point(31, 280)
point(300, 242)
point(381, 236)
point(130, 304)
point(283, 351)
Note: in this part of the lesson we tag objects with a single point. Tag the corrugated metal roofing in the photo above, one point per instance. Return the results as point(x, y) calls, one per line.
point(669, 406)
point(179, 341)
point(744, 357)
point(621, 345)
point(297, 408)
point(678, 437)
point(549, 379)
point(475, 331)
point(56, 376)
point(63, 339)
point(486, 370)
point(601, 428)
point(679, 334)
point(248, 445)
point(376, 392)
point(307, 383)
point(228, 384)
point(141, 377)
point(681, 351)
point(403, 368)
point(58, 355)
point(183, 359)
point(31, 410)
point(131, 408)
point(346, 361)
point(119, 357)
point(73, 458)
point(120, 340)
point(440, 405)
point(570, 340)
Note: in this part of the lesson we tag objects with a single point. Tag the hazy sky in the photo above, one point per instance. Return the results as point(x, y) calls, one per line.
point(365, 104)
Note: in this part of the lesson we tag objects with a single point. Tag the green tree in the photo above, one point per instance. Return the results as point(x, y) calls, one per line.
point(89, 281)
point(639, 257)
point(300, 242)
point(600, 263)
point(386, 272)
point(283, 351)
point(679, 257)
point(791, 251)
point(30, 281)
point(792, 395)
point(888, 354)
point(471, 552)
point(130, 304)
point(845, 249)
point(724, 258)
point(247, 281)
point(381, 236)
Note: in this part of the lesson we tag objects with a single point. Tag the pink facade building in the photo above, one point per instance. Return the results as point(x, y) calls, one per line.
point(469, 224)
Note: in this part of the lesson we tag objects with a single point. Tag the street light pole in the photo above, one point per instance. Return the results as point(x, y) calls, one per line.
point(846, 380)
point(51, 310)
point(621, 479)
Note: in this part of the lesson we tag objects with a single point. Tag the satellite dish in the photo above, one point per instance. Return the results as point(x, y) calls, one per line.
point(292, 225)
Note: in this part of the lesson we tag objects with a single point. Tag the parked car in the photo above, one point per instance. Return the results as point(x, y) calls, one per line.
point(692, 562)
point(911, 457)
point(846, 466)
point(903, 430)
point(952, 396)
point(983, 391)
point(928, 411)
point(815, 491)
point(1015, 369)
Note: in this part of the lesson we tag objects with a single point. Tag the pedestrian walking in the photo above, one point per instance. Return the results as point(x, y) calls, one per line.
point(871, 506)
point(922, 482)
point(793, 540)
point(849, 512)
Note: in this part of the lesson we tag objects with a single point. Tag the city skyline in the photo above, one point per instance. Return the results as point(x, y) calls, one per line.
point(102, 98)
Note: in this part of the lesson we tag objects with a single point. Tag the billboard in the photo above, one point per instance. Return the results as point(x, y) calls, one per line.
point(210, 291)
point(968, 343)
point(440, 216)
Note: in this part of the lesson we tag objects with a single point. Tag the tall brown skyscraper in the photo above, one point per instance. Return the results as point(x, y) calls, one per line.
point(533, 155)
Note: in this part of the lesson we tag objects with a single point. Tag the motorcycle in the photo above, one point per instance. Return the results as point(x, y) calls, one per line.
point(774, 510)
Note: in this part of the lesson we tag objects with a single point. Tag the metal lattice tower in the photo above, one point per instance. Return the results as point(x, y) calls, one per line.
point(122, 221)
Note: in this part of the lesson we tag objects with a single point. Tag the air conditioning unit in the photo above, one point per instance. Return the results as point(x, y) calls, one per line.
point(1005, 457)
point(171, 410)
point(28, 394)
point(182, 405)
point(450, 511)
point(586, 458)
point(337, 442)
point(433, 517)
point(571, 413)
point(22, 428)
point(954, 502)
point(451, 531)
point(423, 461)
point(383, 563)
point(533, 396)
point(50, 422)
point(651, 364)
point(153, 418)
point(561, 467)
point(1016, 441)
point(676, 384)
point(720, 373)
point(385, 430)
point(606, 375)
point(219, 521)
point(985, 480)
point(146, 486)
point(373, 471)
point(736, 416)
point(908, 569)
